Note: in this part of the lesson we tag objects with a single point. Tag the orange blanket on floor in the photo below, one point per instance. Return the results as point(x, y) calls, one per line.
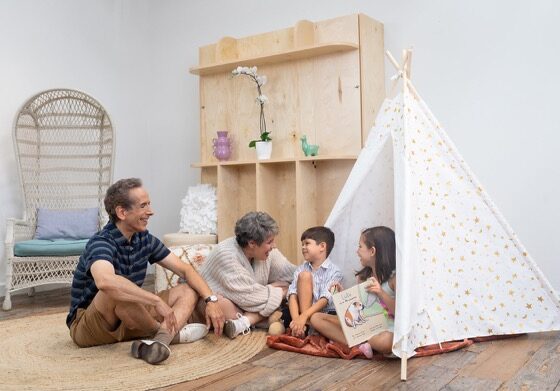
point(317, 345)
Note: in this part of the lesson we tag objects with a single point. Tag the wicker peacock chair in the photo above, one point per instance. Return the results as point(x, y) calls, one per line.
point(64, 148)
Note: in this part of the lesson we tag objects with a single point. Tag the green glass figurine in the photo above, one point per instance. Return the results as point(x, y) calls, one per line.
point(308, 149)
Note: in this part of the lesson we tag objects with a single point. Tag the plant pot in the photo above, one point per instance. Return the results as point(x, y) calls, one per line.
point(264, 149)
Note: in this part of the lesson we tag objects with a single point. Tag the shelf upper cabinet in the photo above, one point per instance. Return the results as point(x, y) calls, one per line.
point(305, 40)
point(286, 55)
point(325, 81)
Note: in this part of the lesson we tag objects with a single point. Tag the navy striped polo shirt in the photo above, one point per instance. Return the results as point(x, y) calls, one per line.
point(130, 260)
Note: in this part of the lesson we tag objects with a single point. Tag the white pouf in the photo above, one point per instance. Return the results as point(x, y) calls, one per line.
point(182, 239)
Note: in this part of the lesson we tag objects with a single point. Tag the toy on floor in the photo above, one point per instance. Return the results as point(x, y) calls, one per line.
point(275, 324)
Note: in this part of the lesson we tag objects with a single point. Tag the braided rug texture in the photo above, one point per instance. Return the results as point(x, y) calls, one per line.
point(38, 354)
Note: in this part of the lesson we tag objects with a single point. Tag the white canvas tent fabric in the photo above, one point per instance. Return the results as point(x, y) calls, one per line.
point(461, 271)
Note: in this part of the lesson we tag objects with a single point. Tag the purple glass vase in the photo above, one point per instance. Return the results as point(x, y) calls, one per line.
point(222, 145)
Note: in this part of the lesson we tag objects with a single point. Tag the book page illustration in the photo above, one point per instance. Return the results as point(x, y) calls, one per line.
point(360, 313)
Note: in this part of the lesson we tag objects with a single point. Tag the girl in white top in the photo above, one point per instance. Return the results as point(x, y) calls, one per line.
point(377, 254)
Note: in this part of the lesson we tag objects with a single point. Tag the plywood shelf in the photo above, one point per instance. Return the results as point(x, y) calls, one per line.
point(272, 161)
point(318, 158)
point(273, 58)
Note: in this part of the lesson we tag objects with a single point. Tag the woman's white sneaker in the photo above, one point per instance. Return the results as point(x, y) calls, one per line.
point(234, 327)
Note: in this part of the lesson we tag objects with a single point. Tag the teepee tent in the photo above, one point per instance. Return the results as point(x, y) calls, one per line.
point(461, 270)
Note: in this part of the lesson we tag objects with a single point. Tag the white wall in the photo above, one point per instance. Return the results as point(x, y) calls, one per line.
point(488, 71)
point(105, 48)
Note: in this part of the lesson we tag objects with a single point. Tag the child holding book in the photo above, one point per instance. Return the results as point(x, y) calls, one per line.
point(377, 253)
point(309, 291)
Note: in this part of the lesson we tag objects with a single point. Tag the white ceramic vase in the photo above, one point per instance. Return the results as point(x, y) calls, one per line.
point(264, 149)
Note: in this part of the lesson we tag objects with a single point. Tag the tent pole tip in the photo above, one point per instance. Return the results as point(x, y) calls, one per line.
point(403, 367)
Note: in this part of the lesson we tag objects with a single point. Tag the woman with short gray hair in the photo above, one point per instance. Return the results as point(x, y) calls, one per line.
point(248, 274)
point(257, 226)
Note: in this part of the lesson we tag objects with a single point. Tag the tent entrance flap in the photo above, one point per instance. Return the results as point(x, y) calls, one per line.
point(369, 188)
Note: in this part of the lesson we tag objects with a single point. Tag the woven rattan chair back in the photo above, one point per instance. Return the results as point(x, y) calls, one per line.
point(64, 147)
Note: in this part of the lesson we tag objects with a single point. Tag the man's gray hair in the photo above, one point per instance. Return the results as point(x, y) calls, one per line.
point(118, 195)
point(257, 226)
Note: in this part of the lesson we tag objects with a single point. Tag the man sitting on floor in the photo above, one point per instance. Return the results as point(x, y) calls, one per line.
point(108, 304)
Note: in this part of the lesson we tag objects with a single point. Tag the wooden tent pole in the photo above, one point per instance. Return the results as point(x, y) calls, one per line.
point(407, 60)
point(403, 366)
point(393, 61)
point(404, 73)
point(396, 77)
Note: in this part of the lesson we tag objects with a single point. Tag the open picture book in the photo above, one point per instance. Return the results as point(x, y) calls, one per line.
point(360, 313)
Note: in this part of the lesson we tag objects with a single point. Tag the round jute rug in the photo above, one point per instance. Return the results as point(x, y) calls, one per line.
point(37, 354)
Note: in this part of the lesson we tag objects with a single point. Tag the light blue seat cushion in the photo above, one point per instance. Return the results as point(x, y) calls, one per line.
point(66, 224)
point(49, 248)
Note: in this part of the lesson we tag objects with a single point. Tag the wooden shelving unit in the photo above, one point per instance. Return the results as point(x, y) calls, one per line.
point(325, 80)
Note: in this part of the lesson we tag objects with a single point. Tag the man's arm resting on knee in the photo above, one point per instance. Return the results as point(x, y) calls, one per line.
point(119, 288)
point(214, 313)
point(185, 270)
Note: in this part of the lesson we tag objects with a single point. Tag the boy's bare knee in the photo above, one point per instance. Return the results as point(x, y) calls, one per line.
point(305, 277)
point(305, 289)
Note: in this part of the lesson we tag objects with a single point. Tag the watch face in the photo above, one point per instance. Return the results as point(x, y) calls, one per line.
point(211, 299)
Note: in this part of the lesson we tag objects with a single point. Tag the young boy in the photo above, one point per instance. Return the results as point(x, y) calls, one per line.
point(309, 291)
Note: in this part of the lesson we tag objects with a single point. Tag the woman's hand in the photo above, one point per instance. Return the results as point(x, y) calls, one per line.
point(374, 286)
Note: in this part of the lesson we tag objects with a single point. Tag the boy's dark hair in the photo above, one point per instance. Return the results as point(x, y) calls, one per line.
point(118, 195)
point(320, 234)
point(383, 239)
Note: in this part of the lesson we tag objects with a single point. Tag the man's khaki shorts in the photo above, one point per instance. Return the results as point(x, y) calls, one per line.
point(90, 328)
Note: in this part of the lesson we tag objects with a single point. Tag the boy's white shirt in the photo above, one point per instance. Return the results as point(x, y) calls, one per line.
point(331, 275)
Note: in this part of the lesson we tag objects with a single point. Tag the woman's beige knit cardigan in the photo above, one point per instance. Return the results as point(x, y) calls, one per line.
point(228, 272)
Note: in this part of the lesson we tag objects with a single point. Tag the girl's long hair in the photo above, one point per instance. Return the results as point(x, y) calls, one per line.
point(383, 239)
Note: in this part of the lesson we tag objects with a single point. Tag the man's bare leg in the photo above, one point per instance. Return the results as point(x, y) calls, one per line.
point(182, 299)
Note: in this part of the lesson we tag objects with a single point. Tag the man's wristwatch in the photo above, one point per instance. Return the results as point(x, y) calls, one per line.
point(211, 299)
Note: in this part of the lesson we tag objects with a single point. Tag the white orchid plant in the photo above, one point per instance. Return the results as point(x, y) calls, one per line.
point(261, 99)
